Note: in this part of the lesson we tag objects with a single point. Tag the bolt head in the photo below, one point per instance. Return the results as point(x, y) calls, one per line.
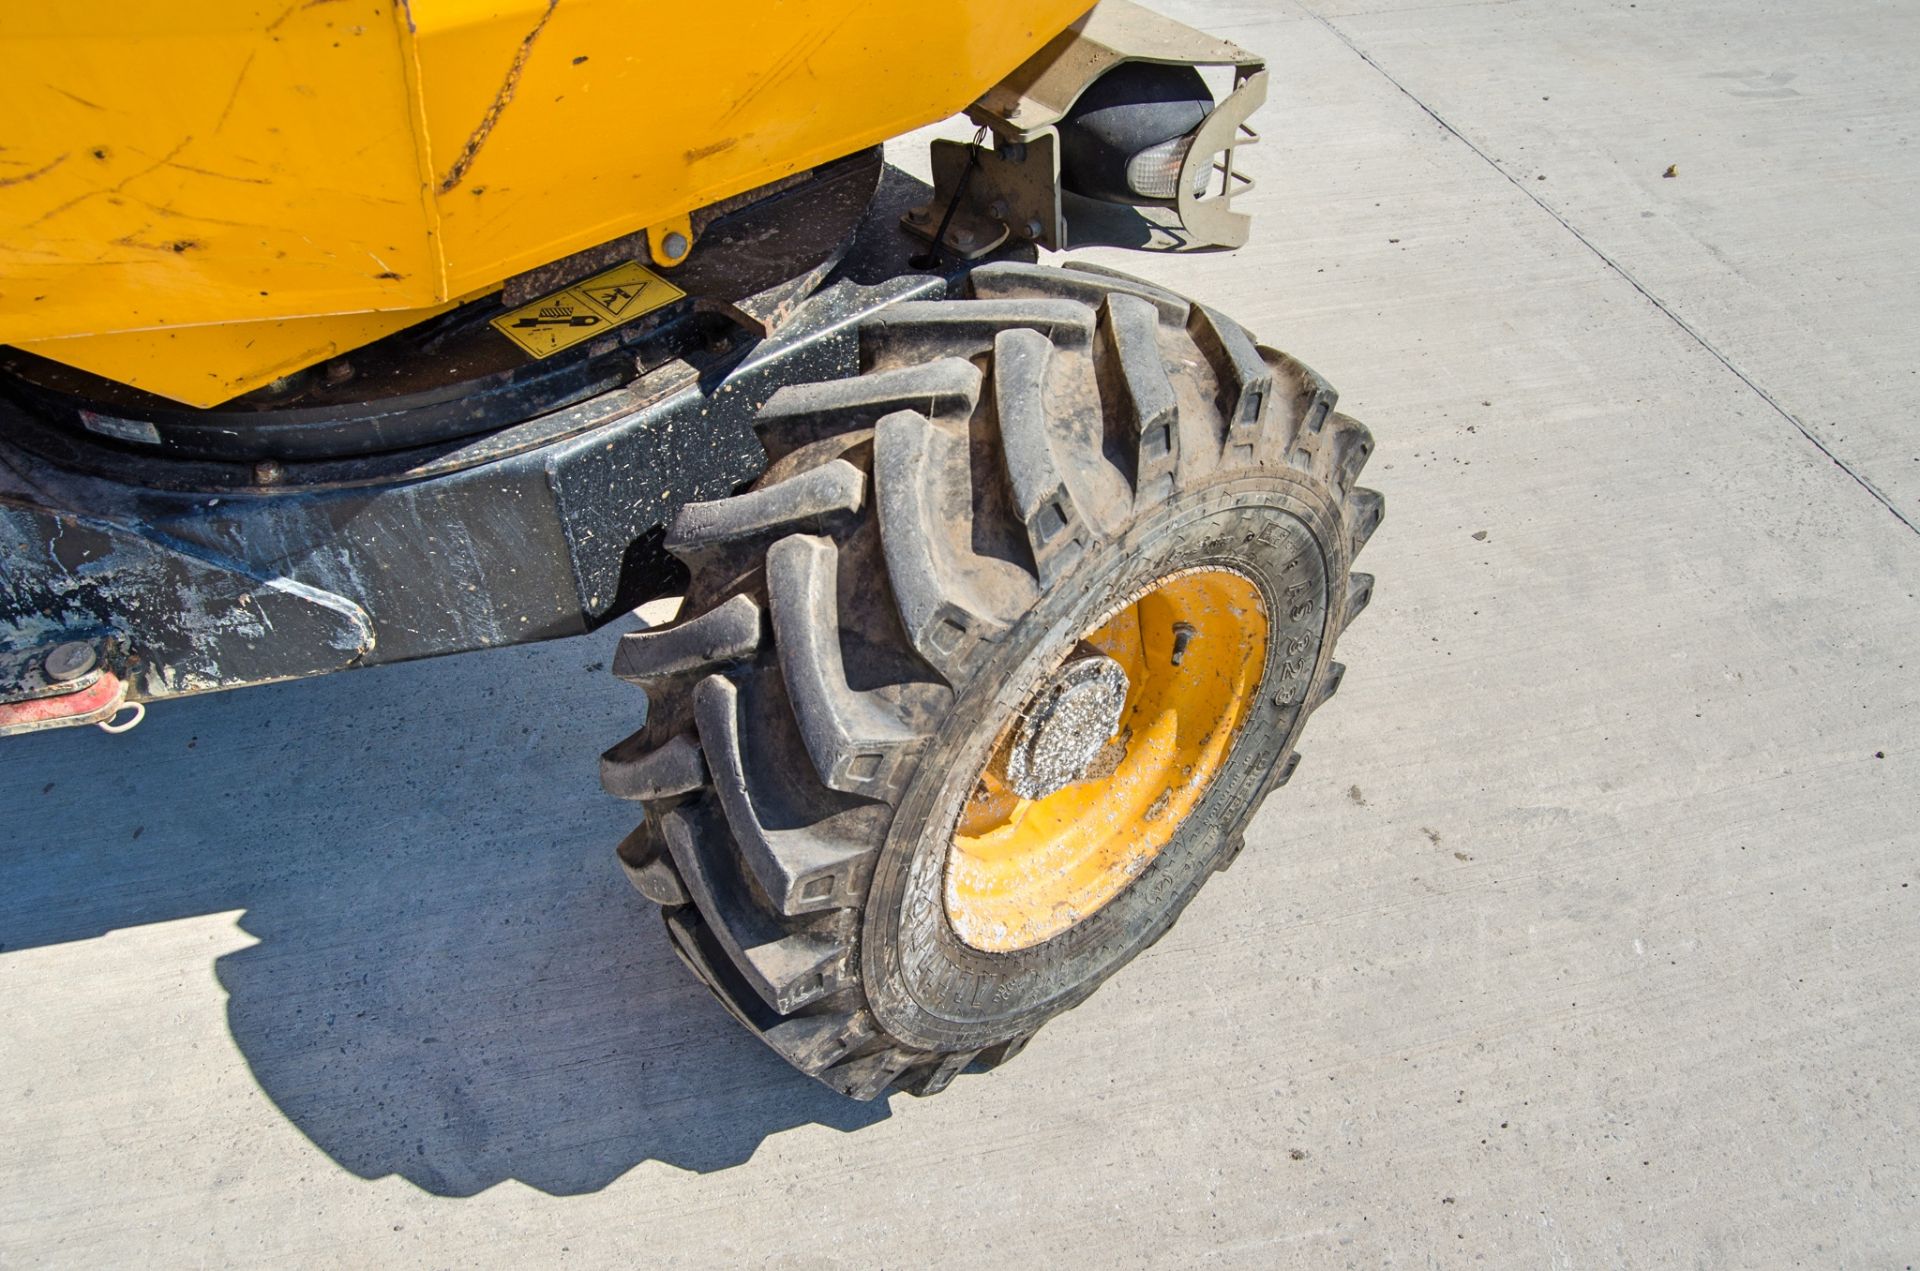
point(70, 661)
point(1183, 635)
point(675, 245)
point(268, 472)
point(919, 214)
point(1034, 230)
point(962, 236)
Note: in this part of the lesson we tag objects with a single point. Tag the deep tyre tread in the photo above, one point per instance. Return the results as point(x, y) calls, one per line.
point(1031, 449)
point(916, 526)
point(858, 741)
point(1328, 685)
point(723, 635)
point(634, 769)
point(1142, 394)
point(1111, 279)
point(1364, 510)
point(800, 414)
point(950, 598)
point(802, 869)
point(916, 329)
point(643, 855)
point(1244, 396)
point(1349, 447)
point(1359, 593)
point(1010, 279)
point(787, 969)
point(813, 500)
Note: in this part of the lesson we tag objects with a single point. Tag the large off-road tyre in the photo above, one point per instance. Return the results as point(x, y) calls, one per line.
point(985, 676)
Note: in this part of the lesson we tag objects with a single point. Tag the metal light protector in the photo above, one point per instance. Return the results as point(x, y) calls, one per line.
point(1135, 107)
point(1015, 190)
point(1208, 214)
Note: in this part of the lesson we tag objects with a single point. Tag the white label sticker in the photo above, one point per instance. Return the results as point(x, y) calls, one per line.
point(120, 429)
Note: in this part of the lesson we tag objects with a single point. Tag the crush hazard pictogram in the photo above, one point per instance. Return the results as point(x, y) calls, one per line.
point(560, 315)
point(586, 309)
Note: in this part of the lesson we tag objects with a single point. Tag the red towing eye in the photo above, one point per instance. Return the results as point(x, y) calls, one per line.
point(70, 685)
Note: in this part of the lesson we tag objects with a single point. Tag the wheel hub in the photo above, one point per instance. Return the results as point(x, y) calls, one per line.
point(1066, 725)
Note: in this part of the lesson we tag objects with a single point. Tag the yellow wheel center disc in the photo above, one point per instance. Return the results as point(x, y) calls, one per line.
point(1022, 871)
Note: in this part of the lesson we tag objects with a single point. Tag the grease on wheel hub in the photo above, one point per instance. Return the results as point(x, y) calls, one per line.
point(1066, 726)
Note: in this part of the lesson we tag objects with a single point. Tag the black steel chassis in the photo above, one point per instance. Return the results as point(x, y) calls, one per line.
point(166, 574)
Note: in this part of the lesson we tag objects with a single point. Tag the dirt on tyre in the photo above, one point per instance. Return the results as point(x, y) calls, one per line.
point(985, 676)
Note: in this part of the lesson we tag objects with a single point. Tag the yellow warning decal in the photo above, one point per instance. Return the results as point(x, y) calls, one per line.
point(586, 309)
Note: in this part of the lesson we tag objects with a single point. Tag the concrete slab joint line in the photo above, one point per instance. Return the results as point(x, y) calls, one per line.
point(1666, 310)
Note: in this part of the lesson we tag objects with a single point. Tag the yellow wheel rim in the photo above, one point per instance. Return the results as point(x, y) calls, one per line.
point(1022, 871)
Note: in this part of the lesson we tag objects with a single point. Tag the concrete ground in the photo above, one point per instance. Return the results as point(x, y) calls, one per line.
point(1586, 936)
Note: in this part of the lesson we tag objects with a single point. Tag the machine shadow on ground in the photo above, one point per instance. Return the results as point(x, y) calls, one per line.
point(452, 982)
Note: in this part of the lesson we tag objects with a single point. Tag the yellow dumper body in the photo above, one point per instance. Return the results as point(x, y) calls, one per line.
point(198, 198)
